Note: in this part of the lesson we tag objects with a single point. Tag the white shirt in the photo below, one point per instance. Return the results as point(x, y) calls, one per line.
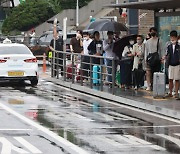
point(85, 46)
point(108, 48)
point(173, 47)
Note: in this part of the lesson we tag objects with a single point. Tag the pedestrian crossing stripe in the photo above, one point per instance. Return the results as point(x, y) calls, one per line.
point(8, 147)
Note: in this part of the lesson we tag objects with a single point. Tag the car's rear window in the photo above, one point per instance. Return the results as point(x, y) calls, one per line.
point(14, 50)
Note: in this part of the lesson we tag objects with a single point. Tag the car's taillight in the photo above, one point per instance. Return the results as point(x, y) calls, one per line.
point(2, 61)
point(33, 60)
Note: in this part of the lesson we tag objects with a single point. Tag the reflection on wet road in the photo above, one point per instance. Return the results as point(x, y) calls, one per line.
point(90, 123)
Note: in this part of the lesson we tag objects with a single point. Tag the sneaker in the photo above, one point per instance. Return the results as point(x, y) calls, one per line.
point(148, 89)
point(176, 96)
point(135, 88)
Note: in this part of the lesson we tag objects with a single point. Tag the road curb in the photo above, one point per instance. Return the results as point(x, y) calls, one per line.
point(126, 101)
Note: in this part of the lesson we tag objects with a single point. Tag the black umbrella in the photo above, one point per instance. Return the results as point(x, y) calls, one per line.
point(106, 25)
point(51, 21)
point(120, 44)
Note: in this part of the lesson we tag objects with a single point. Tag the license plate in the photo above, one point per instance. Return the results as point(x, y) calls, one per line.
point(15, 73)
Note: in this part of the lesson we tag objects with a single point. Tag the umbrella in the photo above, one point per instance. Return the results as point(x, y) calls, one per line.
point(51, 21)
point(120, 44)
point(106, 25)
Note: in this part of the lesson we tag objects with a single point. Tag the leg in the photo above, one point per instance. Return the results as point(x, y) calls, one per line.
point(149, 79)
point(176, 87)
point(171, 86)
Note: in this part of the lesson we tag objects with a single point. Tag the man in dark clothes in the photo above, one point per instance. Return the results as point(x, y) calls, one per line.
point(76, 43)
point(58, 56)
point(96, 48)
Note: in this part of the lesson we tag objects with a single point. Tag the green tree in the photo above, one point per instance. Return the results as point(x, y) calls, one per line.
point(27, 15)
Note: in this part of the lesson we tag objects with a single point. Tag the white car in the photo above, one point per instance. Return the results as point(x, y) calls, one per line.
point(18, 63)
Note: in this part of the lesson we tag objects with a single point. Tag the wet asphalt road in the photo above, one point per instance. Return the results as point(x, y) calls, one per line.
point(92, 124)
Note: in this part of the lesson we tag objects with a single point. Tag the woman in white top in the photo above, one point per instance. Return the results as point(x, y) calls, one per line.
point(138, 65)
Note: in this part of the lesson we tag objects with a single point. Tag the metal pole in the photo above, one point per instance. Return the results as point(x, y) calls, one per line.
point(77, 13)
point(81, 71)
point(91, 73)
point(64, 46)
point(54, 44)
point(113, 76)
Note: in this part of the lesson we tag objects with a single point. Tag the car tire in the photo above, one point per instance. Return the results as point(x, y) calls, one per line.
point(34, 82)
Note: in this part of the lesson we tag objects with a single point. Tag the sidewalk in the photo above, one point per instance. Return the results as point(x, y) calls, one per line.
point(139, 99)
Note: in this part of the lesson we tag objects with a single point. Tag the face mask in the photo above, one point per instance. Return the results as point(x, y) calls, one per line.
point(131, 42)
point(153, 34)
point(139, 41)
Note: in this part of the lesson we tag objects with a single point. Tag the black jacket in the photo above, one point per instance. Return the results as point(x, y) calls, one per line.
point(173, 58)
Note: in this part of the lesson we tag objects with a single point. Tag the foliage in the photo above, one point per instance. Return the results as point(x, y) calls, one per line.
point(27, 15)
point(34, 12)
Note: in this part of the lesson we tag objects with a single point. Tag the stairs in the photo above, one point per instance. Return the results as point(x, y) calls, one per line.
point(95, 9)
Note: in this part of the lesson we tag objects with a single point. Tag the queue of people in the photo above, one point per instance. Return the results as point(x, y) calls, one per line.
point(141, 58)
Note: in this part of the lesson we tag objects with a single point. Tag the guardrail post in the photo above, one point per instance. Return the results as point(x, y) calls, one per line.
point(113, 76)
point(73, 68)
point(57, 65)
point(91, 73)
point(81, 71)
point(64, 65)
point(52, 64)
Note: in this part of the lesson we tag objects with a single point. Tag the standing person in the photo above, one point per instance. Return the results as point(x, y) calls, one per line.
point(96, 48)
point(76, 43)
point(117, 36)
point(173, 58)
point(58, 56)
point(86, 42)
point(138, 53)
point(108, 45)
point(153, 47)
point(126, 65)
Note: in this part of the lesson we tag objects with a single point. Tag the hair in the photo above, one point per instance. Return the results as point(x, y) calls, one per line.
point(96, 32)
point(110, 33)
point(80, 32)
point(153, 28)
point(86, 33)
point(140, 36)
point(173, 33)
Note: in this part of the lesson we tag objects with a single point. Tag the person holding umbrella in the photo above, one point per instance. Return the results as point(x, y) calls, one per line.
point(108, 45)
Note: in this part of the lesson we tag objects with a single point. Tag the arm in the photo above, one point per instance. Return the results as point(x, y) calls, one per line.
point(71, 45)
point(106, 45)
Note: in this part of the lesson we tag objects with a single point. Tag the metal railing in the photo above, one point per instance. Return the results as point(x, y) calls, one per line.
point(97, 75)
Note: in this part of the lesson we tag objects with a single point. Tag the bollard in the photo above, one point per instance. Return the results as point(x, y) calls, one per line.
point(44, 63)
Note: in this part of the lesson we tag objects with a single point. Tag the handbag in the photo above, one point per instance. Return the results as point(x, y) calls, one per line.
point(153, 58)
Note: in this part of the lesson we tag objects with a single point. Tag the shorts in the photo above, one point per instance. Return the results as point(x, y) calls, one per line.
point(174, 72)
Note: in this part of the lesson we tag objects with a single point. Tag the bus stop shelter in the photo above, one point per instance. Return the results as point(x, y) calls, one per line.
point(166, 13)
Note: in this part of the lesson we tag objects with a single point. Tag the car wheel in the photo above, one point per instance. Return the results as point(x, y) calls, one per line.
point(34, 82)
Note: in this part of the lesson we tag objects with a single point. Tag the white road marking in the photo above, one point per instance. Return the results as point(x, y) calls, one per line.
point(29, 146)
point(7, 147)
point(64, 143)
point(170, 138)
point(7, 129)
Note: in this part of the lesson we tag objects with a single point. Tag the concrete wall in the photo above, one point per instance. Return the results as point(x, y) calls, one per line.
point(84, 13)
